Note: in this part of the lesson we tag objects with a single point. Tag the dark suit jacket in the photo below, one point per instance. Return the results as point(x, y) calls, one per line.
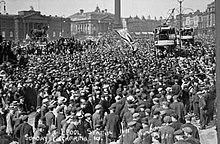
point(5, 139)
point(2, 120)
point(24, 132)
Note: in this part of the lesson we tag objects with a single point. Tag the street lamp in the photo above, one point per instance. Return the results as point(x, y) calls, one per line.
point(180, 2)
point(62, 22)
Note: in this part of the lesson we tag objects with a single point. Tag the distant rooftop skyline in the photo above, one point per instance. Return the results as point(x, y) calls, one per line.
point(128, 7)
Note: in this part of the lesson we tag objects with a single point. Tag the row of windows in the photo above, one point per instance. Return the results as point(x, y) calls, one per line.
point(11, 34)
point(54, 34)
point(4, 34)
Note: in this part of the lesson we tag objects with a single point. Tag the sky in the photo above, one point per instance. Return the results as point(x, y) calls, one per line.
point(132, 8)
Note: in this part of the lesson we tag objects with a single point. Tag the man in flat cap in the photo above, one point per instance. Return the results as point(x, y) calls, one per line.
point(144, 135)
point(128, 136)
point(195, 132)
point(44, 108)
point(175, 123)
point(179, 108)
point(37, 116)
point(9, 122)
point(138, 125)
point(4, 138)
point(50, 117)
point(203, 110)
point(39, 136)
point(155, 122)
point(189, 138)
point(87, 124)
point(97, 116)
point(2, 118)
point(97, 136)
point(176, 88)
point(112, 125)
point(166, 132)
point(128, 116)
point(24, 131)
point(59, 118)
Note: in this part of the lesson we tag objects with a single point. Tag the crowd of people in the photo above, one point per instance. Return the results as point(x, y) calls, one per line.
point(103, 92)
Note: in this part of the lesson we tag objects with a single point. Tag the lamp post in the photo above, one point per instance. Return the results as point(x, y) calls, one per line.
point(180, 2)
point(4, 3)
point(62, 21)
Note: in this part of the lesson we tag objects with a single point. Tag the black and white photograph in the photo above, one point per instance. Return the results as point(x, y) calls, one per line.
point(109, 72)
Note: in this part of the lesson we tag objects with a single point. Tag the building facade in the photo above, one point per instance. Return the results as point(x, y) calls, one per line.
point(17, 27)
point(202, 22)
point(94, 23)
point(141, 25)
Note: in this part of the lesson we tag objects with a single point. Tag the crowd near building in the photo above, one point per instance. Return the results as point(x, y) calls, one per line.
point(106, 91)
point(93, 23)
point(202, 22)
point(18, 27)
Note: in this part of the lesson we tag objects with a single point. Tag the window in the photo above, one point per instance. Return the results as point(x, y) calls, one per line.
point(11, 34)
point(54, 34)
point(3, 34)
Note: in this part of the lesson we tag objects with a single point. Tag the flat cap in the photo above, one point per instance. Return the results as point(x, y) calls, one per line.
point(52, 128)
point(167, 119)
point(2, 128)
point(24, 118)
point(98, 107)
point(132, 123)
point(88, 115)
point(135, 115)
point(187, 130)
point(41, 126)
point(45, 100)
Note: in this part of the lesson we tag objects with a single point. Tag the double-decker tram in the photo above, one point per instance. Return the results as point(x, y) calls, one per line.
point(187, 35)
point(165, 36)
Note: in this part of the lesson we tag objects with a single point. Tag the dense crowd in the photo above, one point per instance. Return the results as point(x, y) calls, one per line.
point(105, 92)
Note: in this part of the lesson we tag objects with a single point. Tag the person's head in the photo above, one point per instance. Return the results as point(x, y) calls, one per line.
point(41, 128)
point(42, 120)
point(165, 105)
point(117, 98)
point(155, 101)
point(2, 129)
point(144, 122)
point(131, 108)
point(174, 117)
point(175, 98)
point(98, 108)
point(156, 114)
point(24, 118)
point(147, 111)
point(131, 124)
point(87, 116)
point(167, 119)
point(188, 118)
point(187, 131)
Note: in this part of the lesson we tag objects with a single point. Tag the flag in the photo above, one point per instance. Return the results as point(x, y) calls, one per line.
point(125, 35)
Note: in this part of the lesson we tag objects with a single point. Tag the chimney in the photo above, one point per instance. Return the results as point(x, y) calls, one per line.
point(81, 11)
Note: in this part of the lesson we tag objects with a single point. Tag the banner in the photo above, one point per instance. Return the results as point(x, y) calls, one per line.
point(125, 35)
